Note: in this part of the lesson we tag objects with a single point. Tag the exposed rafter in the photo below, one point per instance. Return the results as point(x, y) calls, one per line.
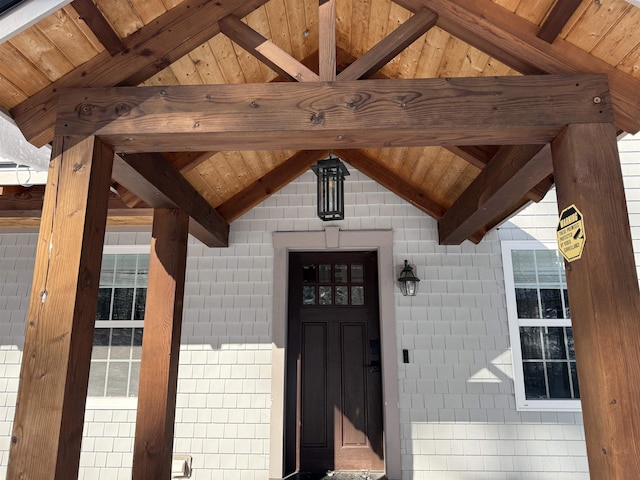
point(512, 40)
point(147, 51)
point(99, 25)
point(557, 19)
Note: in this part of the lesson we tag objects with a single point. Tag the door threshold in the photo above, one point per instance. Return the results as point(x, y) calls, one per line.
point(331, 475)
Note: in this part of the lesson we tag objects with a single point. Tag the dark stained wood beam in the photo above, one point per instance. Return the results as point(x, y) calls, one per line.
point(557, 19)
point(512, 40)
point(99, 25)
point(604, 298)
point(269, 184)
point(153, 179)
point(54, 374)
point(327, 39)
point(503, 182)
point(390, 46)
point(153, 445)
point(147, 51)
point(391, 181)
point(305, 116)
point(265, 50)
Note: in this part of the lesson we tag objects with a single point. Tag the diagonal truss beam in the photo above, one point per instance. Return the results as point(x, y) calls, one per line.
point(154, 180)
point(147, 51)
point(512, 40)
point(265, 50)
point(557, 19)
point(509, 175)
point(381, 54)
point(92, 16)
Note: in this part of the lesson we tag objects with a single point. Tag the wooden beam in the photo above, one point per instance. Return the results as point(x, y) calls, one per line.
point(604, 298)
point(512, 39)
point(376, 113)
point(390, 46)
point(266, 51)
point(269, 184)
point(57, 349)
point(390, 180)
point(149, 50)
point(557, 19)
point(153, 179)
point(99, 25)
point(327, 39)
point(503, 182)
point(153, 446)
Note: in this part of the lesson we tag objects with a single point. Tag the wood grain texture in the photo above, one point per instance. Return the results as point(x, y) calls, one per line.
point(269, 184)
point(604, 298)
point(153, 445)
point(154, 46)
point(153, 179)
point(57, 350)
point(388, 179)
point(390, 46)
point(376, 113)
point(557, 19)
point(266, 51)
point(512, 40)
point(327, 39)
point(93, 17)
point(503, 182)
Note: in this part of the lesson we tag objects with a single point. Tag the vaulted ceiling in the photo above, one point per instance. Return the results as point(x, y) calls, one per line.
point(105, 43)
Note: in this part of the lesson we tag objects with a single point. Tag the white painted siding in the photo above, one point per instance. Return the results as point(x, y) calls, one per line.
point(457, 407)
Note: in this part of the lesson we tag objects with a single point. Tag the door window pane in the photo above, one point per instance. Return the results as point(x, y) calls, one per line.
point(326, 295)
point(325, 274)
point(308, 273)
point(342, 295)
point(357, 295)
point(357, 273)
point(308, 295)
point(341, 273)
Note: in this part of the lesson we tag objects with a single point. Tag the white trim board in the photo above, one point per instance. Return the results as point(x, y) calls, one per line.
point(25, 14)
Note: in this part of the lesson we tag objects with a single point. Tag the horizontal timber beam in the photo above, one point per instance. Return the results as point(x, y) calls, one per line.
point(513, 172)
point(156, 182)
point(331, 115)
point(147, 51)
point(512, 39)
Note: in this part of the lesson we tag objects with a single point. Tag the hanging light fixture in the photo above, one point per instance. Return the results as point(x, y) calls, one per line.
point(408, 281)
point(330, 173)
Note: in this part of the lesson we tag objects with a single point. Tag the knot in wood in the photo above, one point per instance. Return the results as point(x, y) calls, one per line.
point(317, 118)
point(122, 109)
point(85, 109)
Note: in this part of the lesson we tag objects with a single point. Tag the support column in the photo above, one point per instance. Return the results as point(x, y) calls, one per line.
point(604, 299)
point(47, 429)
point(161, 346)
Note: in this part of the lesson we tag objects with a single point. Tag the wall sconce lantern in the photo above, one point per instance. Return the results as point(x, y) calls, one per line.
point(330, 173)
point(408, 281)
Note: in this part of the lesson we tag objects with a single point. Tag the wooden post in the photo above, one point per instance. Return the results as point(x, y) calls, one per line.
point(604, 299)
point(47, 430)
point(161, 346)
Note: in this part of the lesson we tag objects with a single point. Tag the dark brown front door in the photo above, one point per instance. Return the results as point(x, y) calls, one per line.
point(334, 379)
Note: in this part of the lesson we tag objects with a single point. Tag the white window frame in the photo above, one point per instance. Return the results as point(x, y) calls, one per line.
point(522, 403)
point(117, 403)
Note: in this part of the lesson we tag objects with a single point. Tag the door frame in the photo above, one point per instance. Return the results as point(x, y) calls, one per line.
point(332, 239)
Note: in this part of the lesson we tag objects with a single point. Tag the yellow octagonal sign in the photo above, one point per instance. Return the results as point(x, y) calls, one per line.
point(570, 233)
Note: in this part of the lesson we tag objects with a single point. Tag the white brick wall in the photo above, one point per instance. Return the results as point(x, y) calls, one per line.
point(457, 407)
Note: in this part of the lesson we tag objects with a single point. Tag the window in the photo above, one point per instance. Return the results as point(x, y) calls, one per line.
point(540, 328)
point(117, 341)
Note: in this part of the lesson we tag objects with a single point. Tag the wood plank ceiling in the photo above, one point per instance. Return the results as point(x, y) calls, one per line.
point(142, 42)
